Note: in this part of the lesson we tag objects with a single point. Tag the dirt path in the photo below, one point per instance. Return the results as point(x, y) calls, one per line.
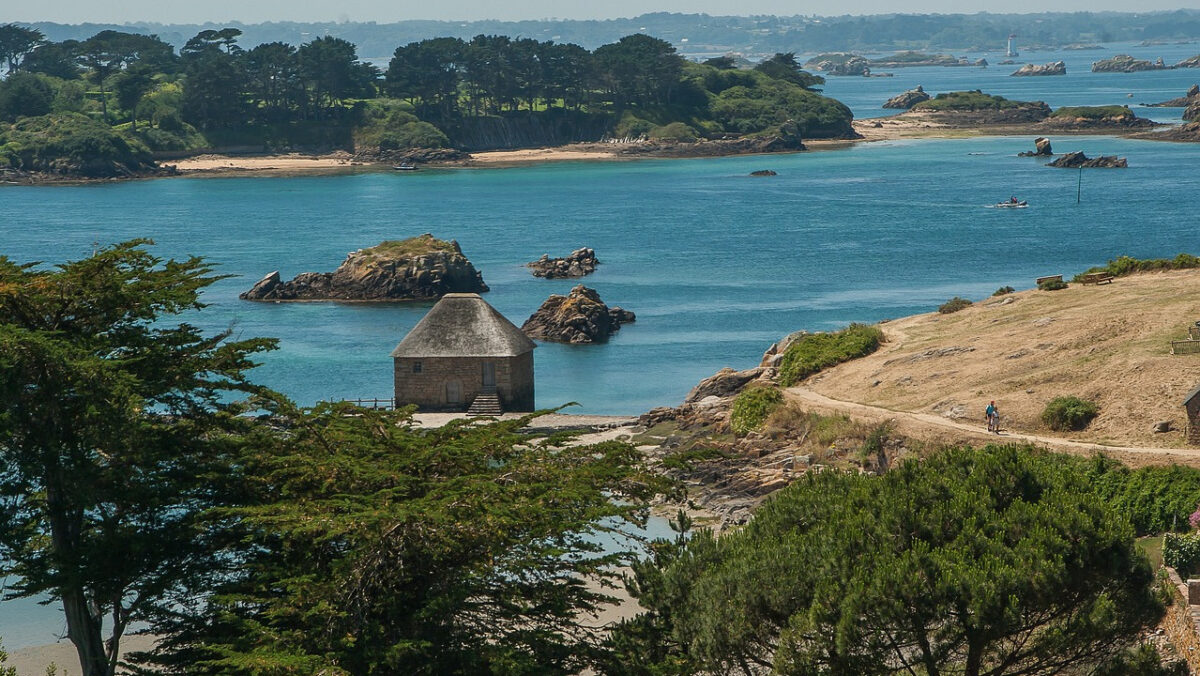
point(939, 428)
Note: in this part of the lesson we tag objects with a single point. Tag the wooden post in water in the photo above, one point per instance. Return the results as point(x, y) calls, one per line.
point(1079, 186)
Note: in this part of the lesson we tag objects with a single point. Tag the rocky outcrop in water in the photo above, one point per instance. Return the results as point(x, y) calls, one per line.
point(420, 268)
point(1191, 62)
point(1123, 63)
point(577, 318)
point(1041, 147)
point(1029, 69)
point(908, 99)
point(839, 64)
point(578, 263)
point(1078, 160)
point(764, 172)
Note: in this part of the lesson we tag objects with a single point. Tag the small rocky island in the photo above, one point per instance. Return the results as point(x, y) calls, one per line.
point(1041, 148)
point(1029, 69)
point(578, 318)
point(1124, 63)
point(1077, 160)
point(578, 263)
point(908, 99)
point(419, 268)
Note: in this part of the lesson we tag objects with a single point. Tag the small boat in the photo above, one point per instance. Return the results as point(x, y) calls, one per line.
point(405, 167)
point(1012, 205)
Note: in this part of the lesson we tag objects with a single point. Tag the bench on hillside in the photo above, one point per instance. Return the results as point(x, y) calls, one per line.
point(1096, 278)
point(1049, 278)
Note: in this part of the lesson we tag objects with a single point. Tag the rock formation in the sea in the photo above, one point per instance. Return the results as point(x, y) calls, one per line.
point(764, 172)
point(1054, 68)
point(1041, 147)
point(839, 64)
point(908, 99)
point(1123, 63)
point(1191, 62)
point(975, 108)
point(420, 268)
point(578, 263)
point(1077, 160)
point(578, 318)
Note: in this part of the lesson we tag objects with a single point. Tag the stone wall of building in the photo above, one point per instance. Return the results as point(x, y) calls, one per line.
point(1182, 623)
point(431, 387)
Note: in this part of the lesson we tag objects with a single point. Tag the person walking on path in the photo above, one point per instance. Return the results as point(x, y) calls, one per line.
point(993, 418)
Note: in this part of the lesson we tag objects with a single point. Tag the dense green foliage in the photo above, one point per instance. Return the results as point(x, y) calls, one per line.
point(1069, 413)
point(1092, 112)
point(1052, 285)
point(811, 353)
point(488, 91)
point(113, 429)
point(751, 408)
point(1154, 499)
point(370, 546)
point(1126, 265)
point(954, 305)
point(70, 143)
point(990, 561)
point(1182, 552)
point(968, 101)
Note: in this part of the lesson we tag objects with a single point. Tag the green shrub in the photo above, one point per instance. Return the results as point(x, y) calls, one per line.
point(1126, 265)
point(1069, 413)
point(74, 144)
point(809, 354)
point(632, 126)
point(751, 408)
point(1182, 552)
point(1004, 291)
point(1154, 499)
point(676, 131)
point(413, 135)
point(972, 100)
point(954, 305)
point(1092, 112)
point(1052, 285)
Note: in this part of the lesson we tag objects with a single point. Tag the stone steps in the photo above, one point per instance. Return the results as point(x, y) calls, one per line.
point(486, 404)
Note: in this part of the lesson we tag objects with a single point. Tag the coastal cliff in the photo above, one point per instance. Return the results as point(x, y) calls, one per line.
point(419, 268)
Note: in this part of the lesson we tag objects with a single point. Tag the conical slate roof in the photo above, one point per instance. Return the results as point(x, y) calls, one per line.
point(463, 325)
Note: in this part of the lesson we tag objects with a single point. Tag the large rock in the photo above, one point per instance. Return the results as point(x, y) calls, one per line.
point(1077, 160)
point(420, 268)
point(578, 263)
point(1054, 68)
point(1041, 147)
point(1192, 62)
point(578, 318)
point(908, 99)
point(1123, 63)
point(723, 383)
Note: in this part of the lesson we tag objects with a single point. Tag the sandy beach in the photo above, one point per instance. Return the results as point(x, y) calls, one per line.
point(283, 164)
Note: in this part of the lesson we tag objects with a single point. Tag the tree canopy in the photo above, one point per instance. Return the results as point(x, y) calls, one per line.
point(991, 561)
point(112, 425)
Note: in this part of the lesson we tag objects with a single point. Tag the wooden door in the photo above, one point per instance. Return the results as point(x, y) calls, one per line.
point(489, 374)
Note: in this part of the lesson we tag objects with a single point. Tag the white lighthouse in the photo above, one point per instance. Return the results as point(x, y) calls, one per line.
point(1010, 53)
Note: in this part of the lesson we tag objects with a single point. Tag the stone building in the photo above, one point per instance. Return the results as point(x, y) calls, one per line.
point(465, 356)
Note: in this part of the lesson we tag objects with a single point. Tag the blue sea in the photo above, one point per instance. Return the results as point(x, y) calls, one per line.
point(717, 265)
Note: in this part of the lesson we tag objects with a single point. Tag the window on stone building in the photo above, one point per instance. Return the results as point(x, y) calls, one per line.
point(416, 367)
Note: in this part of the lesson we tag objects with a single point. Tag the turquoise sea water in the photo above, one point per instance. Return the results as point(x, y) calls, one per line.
point(717, 265)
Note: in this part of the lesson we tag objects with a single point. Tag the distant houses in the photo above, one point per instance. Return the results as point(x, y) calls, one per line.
point(465, 356)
